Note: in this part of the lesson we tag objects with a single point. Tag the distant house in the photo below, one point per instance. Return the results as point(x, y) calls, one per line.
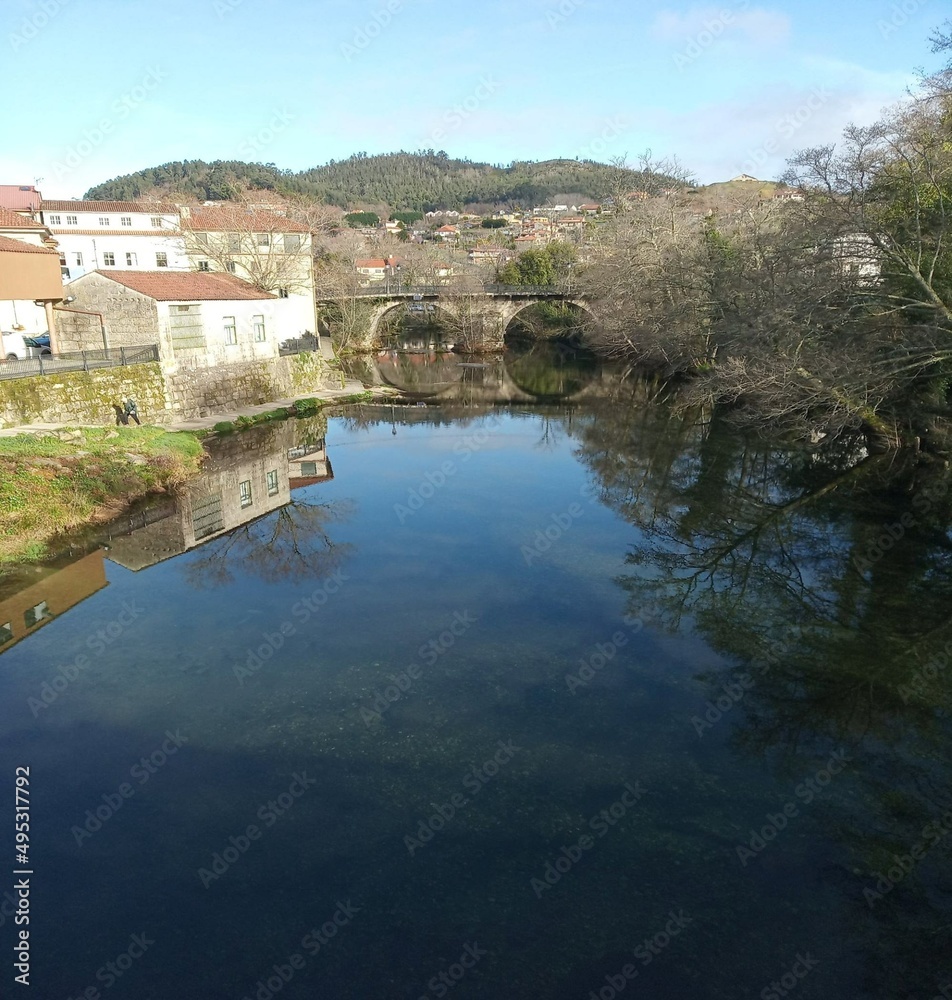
point(746, 178)
point(592, 209)
point(488, 254)
point(198, 319)
point(448, 232)
point(788, 195)
point(372, 269)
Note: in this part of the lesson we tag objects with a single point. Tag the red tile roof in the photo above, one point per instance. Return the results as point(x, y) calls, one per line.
point(108, 206)
point(21, 197)
point(229, 219)
point(186, 286)
point(10, 220)
point(18, 246)
point(371, 262)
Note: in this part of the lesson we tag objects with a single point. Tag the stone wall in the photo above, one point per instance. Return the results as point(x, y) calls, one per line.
point(163, 397)
point(133, 318)
point(82, 397)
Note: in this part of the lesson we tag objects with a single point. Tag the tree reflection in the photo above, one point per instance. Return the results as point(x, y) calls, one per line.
point(828, 579)
point(291, 543)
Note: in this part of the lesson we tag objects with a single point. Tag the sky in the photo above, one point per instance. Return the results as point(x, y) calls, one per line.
point(108, 87)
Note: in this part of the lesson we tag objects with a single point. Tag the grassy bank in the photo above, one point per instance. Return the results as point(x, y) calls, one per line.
point(301, 408)
point(62, 480)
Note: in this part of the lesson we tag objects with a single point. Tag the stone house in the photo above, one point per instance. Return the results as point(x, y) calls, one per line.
point(198, 319)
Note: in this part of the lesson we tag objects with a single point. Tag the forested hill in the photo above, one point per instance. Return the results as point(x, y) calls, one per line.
point(422, 181)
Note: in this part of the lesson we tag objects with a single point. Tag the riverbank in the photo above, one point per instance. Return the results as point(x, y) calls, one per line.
point(63, 479)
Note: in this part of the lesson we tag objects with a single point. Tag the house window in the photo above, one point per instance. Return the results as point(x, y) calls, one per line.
point(264, 239)
point(309, 468)
point(6, 633)
point(33, 616)
point(234, 243)
point(72, 220)
point(130, 260)
point(55, 220)
point(257, 323)
point(282, 293)
point(156, 222)
point(125, 220)
point(103, 220)
point(273, 483)
point(244, 491)
point(231, 331)
point(161, 259)
point(201, 238)
point(79, 259)
point(203, 265)
point(292, 242)
point(231, 267)
point(108, 259)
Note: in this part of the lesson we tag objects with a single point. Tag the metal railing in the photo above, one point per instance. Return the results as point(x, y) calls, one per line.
point(79, 361)
point(299, 345)
point(391, 290)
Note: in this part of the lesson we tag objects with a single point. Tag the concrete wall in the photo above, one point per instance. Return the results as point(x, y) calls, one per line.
point(88, 397)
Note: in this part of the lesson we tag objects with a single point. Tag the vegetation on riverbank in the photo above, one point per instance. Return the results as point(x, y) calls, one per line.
point(300, 408)
point(56, 482)
point(822, 314)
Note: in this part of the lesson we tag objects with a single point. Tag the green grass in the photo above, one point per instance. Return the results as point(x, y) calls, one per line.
point(49, 485)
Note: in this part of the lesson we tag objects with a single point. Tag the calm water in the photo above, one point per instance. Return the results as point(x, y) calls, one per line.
point(582, 698)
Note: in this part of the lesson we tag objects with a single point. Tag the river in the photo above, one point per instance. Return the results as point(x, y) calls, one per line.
point(534, 685)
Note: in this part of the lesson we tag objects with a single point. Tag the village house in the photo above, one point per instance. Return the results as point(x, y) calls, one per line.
point(101, 234)
point(373, 269)
point(30, 281)
point(198, 319)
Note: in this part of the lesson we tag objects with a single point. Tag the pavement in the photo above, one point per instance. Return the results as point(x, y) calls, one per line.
point(349, 388)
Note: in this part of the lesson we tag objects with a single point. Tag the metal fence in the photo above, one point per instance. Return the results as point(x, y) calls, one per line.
point(79, 361)
point(299, 345)
point(384, 289)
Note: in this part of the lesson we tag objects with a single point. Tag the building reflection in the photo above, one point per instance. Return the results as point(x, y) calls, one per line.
point(28, 609)
point(246, 477)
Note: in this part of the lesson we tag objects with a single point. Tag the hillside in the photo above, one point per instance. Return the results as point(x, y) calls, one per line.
point(422, 181)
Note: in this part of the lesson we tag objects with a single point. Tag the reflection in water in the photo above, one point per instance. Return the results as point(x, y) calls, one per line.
point(699, 557)
point(528, 371)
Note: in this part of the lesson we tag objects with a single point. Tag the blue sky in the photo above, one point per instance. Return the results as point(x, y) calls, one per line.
point(106, 87)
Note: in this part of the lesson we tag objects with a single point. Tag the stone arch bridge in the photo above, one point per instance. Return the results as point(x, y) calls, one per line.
point(499, 305)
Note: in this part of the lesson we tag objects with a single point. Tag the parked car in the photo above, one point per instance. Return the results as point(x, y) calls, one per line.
point(17, 346)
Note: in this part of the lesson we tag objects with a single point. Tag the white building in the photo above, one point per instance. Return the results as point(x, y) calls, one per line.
point(120, 234)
